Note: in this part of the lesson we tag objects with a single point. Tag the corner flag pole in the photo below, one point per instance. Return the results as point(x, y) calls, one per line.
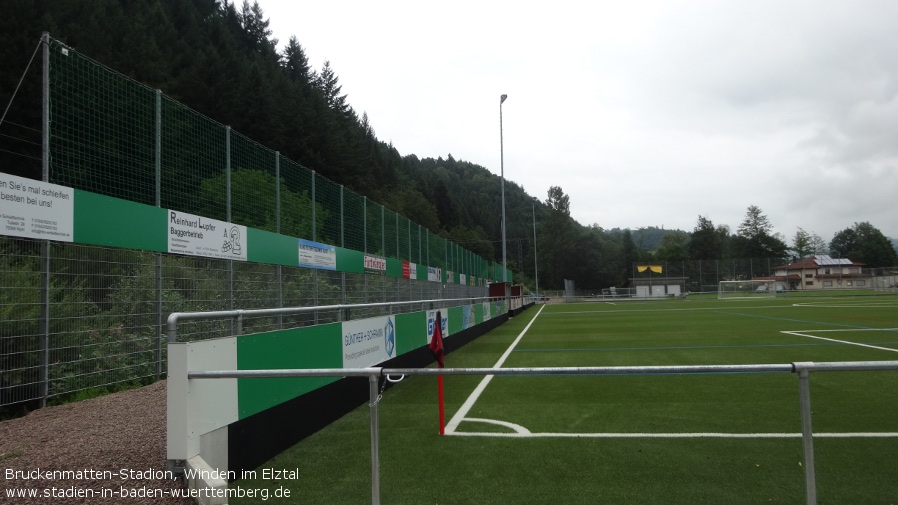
point(436, 347)
point(442, 410)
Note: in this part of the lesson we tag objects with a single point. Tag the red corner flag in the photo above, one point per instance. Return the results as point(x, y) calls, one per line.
point(436, 347)
point(436, 343)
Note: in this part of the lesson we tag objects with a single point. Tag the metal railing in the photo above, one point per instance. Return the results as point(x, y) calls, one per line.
point(342, 310)
point(374, 374)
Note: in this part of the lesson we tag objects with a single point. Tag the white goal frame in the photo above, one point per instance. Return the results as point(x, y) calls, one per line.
point(749, 289)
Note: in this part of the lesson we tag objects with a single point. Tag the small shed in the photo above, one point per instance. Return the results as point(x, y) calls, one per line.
point(656, 286)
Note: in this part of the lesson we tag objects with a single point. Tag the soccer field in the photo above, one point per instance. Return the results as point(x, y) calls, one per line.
point(697, 438)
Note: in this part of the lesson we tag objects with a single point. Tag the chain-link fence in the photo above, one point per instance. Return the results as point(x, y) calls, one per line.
point(104, 323)
point(113, 136)
point(76, 316)
point(704, 276)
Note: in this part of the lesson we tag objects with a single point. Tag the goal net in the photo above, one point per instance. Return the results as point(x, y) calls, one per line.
point(729, 290)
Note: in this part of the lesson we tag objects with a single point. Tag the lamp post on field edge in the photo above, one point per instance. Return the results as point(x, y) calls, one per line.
point(535, 267)
point(502, 168)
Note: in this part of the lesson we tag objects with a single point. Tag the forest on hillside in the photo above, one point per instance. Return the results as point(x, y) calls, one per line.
point(219, 58)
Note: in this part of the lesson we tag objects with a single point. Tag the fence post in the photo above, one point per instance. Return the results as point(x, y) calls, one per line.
point(807, 434)
point(45, 323)
point(277, 214)
point(228, 174)
point(45, 245)
point(158, 255)
point(375, 439)
point(277, 191)
point(314, 238)
point(230, 272)
point(342, 244)
point(365, 224)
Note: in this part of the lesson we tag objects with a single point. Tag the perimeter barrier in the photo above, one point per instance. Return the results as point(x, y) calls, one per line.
point(374, 374)
point(240, 424)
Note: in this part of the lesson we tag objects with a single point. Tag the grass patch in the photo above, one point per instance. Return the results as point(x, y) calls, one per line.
point(96, 392)
point(10, 455)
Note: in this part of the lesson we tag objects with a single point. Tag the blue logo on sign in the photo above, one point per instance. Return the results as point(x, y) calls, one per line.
point(390, 337)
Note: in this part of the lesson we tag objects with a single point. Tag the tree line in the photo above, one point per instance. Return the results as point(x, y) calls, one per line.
point(597, 258)
point(220, 59)
point(862, 242)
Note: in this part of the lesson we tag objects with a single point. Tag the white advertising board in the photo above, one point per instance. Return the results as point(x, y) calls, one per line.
point(201, 236)
point(35, 209)
point(432, 323)
point(315, 255)
point(368, 341)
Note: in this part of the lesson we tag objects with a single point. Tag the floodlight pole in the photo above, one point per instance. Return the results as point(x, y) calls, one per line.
point(502, 183)
point(535, 266)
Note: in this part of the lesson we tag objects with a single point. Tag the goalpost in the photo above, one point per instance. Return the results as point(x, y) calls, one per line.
point(730, 290)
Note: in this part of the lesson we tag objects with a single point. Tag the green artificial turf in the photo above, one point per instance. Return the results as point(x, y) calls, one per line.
point(417, 466)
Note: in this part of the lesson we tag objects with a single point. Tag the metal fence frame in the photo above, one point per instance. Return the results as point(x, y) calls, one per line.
point(79, 316)
point(113, 136)
point(374, 374)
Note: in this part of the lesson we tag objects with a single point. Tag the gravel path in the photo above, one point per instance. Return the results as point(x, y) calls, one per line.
point(107, 444)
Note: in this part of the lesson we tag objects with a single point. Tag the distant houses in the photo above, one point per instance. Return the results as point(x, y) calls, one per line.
point(820, 272)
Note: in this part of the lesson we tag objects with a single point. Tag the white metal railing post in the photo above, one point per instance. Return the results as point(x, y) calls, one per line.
point(375, 439)
point(807, 434)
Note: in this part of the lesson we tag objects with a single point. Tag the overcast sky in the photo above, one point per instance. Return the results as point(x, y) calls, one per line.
point(646, 113)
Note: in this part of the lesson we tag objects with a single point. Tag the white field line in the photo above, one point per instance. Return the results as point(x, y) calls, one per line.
point(670, 435)
point(518, 431)
point(472, 398)
point(804, 333)
point(522, 432)
point(862, 305)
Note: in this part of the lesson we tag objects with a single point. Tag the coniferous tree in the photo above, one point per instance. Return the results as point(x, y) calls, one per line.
point(557, 238)
point(754, 239)
point(630, 251)
point(705, 242)
point(296, 63)
point(255, 28)
point(329, 84)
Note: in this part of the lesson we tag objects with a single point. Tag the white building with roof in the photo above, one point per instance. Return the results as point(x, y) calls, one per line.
point(821, 272)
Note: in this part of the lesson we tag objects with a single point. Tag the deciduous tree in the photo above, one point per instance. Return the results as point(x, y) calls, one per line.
point(801, 243)
point(864, 243)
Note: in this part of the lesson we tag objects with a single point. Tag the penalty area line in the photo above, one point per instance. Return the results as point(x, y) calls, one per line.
point(472, 398)
point(847, 342)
